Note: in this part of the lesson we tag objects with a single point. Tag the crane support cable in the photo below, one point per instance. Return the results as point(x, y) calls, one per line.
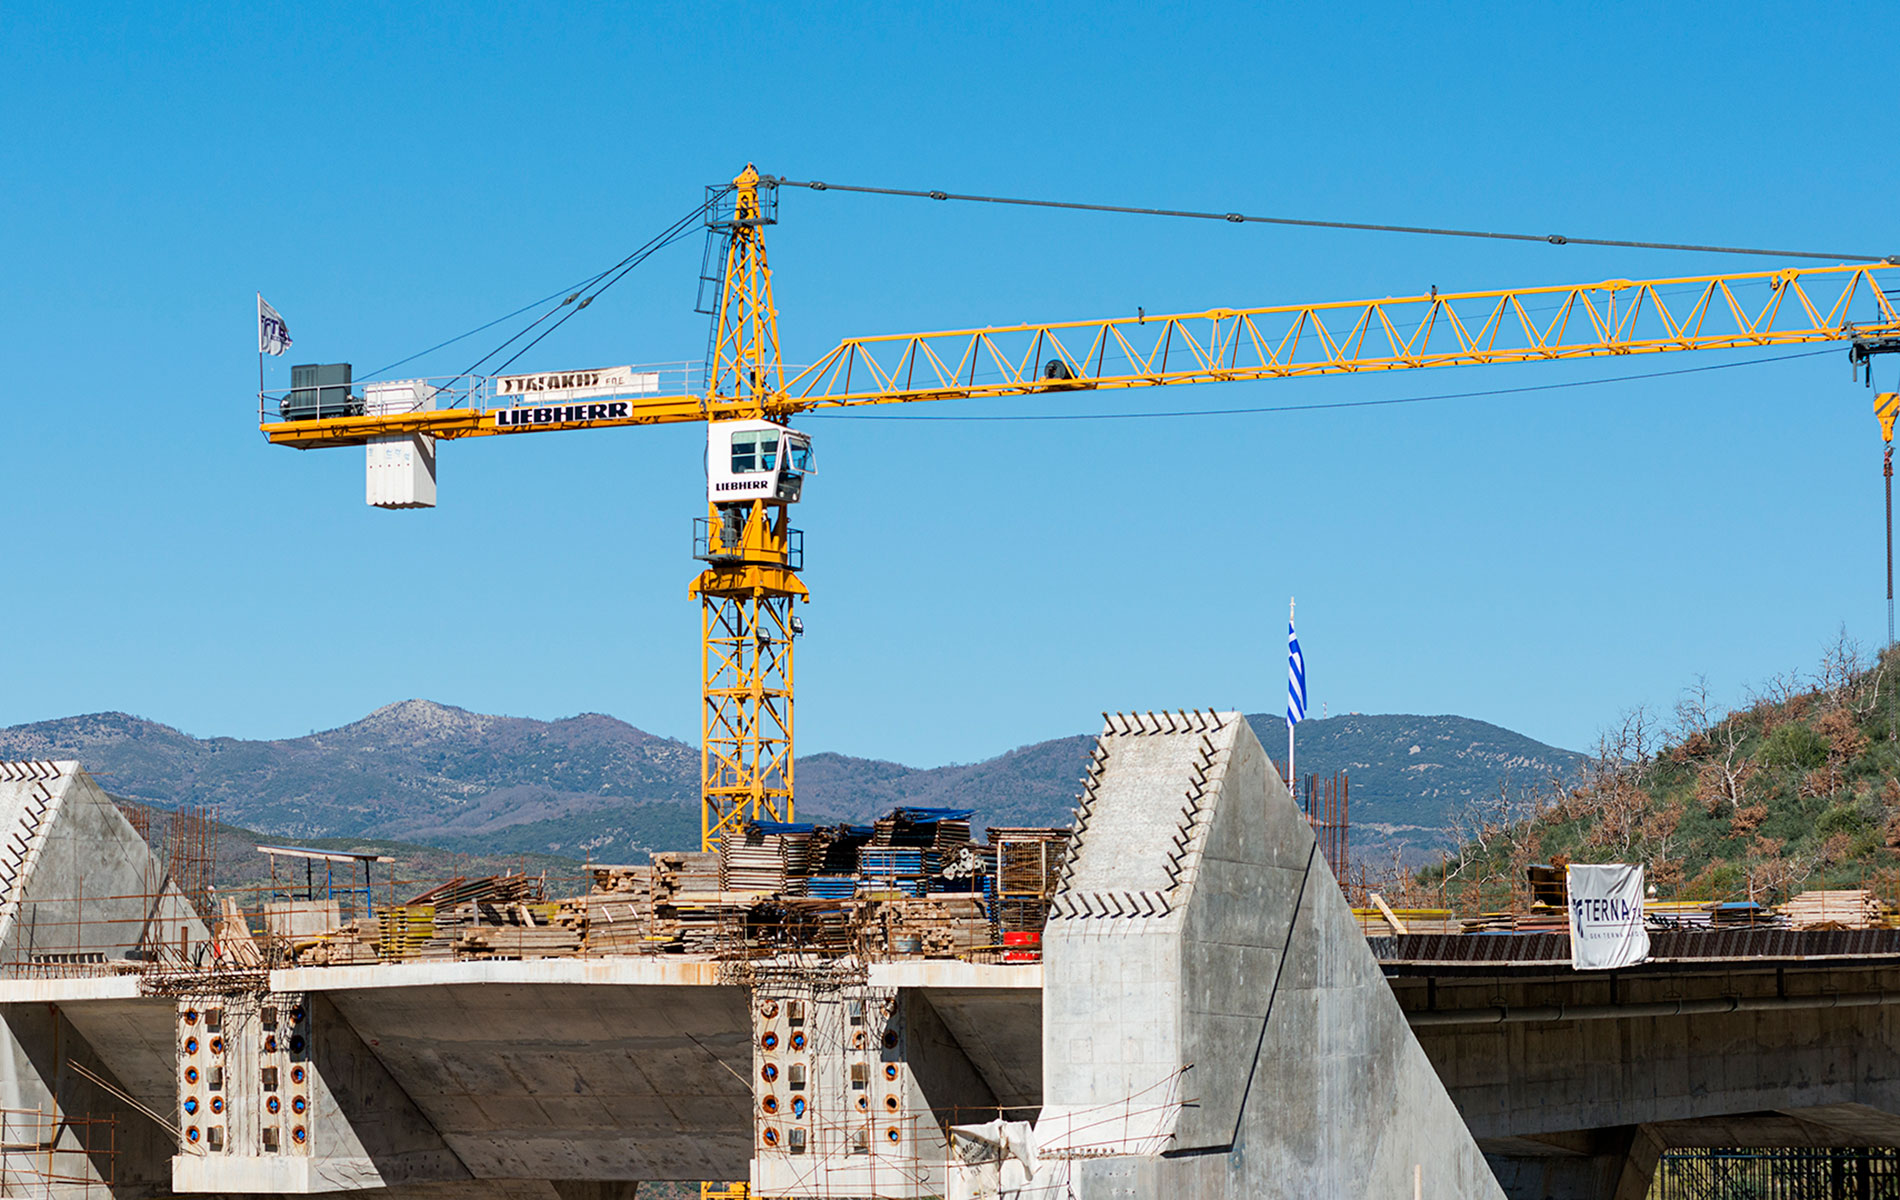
point(566, 291)
point(614, 274)
point(1321, 406)
point(1236, 218)
point(567, 295)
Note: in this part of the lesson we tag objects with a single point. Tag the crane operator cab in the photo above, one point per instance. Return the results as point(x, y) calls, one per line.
point(749, 466)
point(755, 460)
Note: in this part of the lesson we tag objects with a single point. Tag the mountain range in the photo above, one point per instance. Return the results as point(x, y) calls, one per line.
point(591, 786)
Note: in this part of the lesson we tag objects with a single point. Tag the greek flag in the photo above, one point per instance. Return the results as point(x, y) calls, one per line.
point(273, 336)
point(1295, 679)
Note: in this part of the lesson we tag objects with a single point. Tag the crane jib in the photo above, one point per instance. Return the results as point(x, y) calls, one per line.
point(559, 414)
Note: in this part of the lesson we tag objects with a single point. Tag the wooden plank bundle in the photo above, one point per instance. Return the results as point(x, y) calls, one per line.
point(497, 889)
point(518, 941)
point(680, 871)
point(1373, 922)
point(937, 926)
point(617, 916)
point(1855, 908)
point(355, 942)
point(405, 929)
point(753, 863)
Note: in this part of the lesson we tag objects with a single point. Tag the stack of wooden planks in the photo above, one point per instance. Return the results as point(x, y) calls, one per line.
point(675, 872)
point(406, 929)
point(1377, 922)
point(519, 930)
point(616, 917)
point(355, 942)
point(496, 889)
point(938, 926)
point(1855, 908)
point(518, 941)
point(753, 863)
point(232, 938)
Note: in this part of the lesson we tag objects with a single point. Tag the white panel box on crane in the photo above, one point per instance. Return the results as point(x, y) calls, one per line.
point(399, 471)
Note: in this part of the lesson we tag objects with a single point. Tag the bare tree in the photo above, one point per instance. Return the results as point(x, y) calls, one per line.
point(1659, 833)
point(1497, 838)
point(1724, 778)
point(1842, 664)
point(1695, 711)
point(1624, 754)
point(1780, 689)
point(1769, 871)
point(1864, 696)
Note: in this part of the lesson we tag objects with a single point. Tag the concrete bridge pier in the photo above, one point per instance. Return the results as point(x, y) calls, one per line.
point(1618, 1163)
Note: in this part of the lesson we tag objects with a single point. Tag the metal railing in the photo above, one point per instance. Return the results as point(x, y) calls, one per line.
point(474, 392)
point(1743, 1174)
point(727, 554)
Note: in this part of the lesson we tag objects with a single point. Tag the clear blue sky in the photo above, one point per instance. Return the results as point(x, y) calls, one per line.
point(389, 176)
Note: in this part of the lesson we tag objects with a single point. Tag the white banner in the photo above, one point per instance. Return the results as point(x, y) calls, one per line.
point(1606, 916)
point(273, 336)
point(556, 386)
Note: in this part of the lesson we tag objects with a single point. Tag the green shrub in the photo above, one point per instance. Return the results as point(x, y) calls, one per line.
point(1719, 879)
point(1793, 745)
point(1847, 817)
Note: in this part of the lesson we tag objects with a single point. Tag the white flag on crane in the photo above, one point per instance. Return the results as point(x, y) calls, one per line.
point(273, 336)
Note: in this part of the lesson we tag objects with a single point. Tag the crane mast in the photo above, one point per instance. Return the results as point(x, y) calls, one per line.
point(753, 556)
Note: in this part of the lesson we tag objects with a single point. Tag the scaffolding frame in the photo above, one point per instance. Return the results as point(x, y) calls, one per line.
point(42, 1150)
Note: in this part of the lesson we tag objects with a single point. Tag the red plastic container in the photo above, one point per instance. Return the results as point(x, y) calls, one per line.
point(1027, 947)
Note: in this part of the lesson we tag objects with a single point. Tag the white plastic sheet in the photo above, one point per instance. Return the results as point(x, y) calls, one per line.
point(998, 1161)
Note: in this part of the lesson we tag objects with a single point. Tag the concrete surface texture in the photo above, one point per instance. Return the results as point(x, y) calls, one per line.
point(77, 882)
point(1214, 1024)
point(854, 1086)
point(1581, 1109)
point(279, 1094)
point(568, 1081)
point(80, 890)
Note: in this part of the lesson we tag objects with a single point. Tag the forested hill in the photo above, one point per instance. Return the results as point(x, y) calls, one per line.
point(592, 785)
point(1799, 790)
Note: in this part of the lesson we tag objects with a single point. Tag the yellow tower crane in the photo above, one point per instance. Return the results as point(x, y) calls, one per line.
point(756, 464)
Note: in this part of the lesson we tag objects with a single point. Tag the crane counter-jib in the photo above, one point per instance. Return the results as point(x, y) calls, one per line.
point(1617, 317)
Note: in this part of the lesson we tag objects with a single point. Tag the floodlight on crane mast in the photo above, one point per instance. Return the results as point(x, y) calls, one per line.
point(756, 463)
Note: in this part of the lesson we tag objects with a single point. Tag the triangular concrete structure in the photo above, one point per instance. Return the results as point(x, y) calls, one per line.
point(84, 904)
point(78, 885)
point(1214, 1022)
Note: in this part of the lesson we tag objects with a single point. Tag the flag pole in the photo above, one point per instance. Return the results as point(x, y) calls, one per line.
point(260, 352)
point(1290, 775)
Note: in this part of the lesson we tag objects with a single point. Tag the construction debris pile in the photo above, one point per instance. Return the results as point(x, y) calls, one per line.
point(913, 883)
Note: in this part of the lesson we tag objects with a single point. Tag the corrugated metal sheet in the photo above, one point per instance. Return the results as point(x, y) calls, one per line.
point(1685, 945)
